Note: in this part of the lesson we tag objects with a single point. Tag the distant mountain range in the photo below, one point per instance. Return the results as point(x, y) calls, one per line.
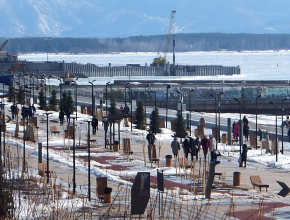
point(122, 18)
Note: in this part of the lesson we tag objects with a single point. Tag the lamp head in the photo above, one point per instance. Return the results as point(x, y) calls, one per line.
point(236, 99)
point(272, 103)
point(223, 92)
point(168, 86)
point(212, 95)
point(192, 90)
point(287, 98)
point(259, 96)
point(147, 85)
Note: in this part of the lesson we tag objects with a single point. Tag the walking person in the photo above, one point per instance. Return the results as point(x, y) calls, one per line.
point(150, 138)
point(205, 145)
point(212, 143)
point(236, 130)
point(68, 113)
point(95, 123)
point(186, 147)
point(192, 148)
point(61, 117)
point(12, 107)
point(244, 156)
point(213, 156)
point(197, 147)
point(175, 146)
point(246, 132)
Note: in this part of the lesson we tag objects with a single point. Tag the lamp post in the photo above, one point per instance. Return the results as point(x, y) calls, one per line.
point(47, 39)
point(47, 156)
point(32, 77)
point(155, 112)
point(44, 79)
point(131, 107)
point(146, 101)
point(92, 83)
point(257, 120)
point(76, 97)
point(283, 100)
point(276, 141)
point(128, 83)
point(240, 122)
point(21, 75)
point(108, 83)
point(181, 102)
point(60, 90)
point(219, 105)
point(215, 118)
point(190, 109)
point(167, 88)
point(89, 161)
point(74, 157)
point(3, 86)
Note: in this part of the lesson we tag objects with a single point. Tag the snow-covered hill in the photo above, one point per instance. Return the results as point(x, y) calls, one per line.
point(116, 18)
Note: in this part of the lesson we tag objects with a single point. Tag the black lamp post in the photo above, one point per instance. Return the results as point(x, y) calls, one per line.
point(32, 77)
point(108, 83)
point(259, 96)
point(190, 109)
point(167, 88)
point(155, 112)
point(89, 161)
point(3, 87)
point(181, 102)
point(276, 141)
point(21, 75)
point(283, 100)
point(215, 119)
point(44, 79)
point(76, 97)
point(47, 156)
point(131, 107)
point(74, 157)
point(145, 94)
point(219, 105)
point(60, 91)
point(240, 122)
point(92, 83)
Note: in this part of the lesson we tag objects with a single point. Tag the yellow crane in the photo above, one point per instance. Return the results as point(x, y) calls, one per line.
point(159, 60)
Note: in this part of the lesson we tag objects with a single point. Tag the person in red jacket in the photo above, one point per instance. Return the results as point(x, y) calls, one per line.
point(205, 145)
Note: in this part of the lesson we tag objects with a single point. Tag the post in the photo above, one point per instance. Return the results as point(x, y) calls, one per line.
point(89, 162)
point(47, 156)
point(257, 120)
point(167, 88)
point(282, 150)
point(108, 83)
point(146, 102)
point(92, 83)
point(76, 97)
point(74, 158)
point(240, 125)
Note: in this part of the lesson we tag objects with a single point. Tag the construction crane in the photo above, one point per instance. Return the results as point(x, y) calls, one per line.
point(3, 45)
point(159, 60)
point(17, 66)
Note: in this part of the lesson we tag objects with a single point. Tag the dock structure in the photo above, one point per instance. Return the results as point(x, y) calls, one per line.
point(92, 70)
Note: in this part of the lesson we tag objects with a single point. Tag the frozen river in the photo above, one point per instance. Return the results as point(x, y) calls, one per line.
point(267, 65)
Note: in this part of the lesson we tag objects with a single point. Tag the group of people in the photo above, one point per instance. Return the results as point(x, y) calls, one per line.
point(26, 112)
point(235, 128)
point(61, 116)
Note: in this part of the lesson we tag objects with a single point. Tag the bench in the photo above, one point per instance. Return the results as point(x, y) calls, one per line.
point(152, 153)
point(219, 175)
point(54, 130)
point(235, 141)
point(256, 181)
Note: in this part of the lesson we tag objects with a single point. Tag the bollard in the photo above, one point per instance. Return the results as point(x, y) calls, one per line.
point(39, 152)
point(237, 179)
point(168, 160)
point(107, 195)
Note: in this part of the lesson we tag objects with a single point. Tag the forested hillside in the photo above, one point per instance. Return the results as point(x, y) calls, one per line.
point(184, 43)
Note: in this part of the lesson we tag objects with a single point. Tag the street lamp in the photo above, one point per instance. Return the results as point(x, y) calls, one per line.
point(240, 123)
point(127, 84)
point(76, 97)
point(181, 102)
point(276, 141)
point(259, 96)
point(215, 119)
point(131, 107)
point(190, 109)
point(21, 75)
point(219, 105)
point(92, 83)
point(74, 157)
point(44, 79)
point(89, 161)
point(283, 100)
point(47, 157)
point(155, 112)
point(32, 77)
point(108, 83)
point(3, 86)
point(60, 90)
point(146, 101)
point(47, 39)
point(167, 88)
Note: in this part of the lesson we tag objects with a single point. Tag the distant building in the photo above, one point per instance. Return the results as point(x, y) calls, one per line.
point(8, 57)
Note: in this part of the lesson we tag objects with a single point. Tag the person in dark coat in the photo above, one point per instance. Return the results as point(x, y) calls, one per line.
point(106, 126)
point(127, 109)
point(192, 148)
point(12, 107)
point(186, 147)
point(61, 116)
point(95, 123)
point(245, 120)
point(213, 156)
point(175, 146)
point(68, 113)
point(246, 132)
point(205, 145)
point(197, 146)
point(244, 155)
point(150, 138)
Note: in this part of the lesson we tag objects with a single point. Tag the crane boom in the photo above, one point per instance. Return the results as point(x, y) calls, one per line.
point(169, 34)
point(3, 45)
